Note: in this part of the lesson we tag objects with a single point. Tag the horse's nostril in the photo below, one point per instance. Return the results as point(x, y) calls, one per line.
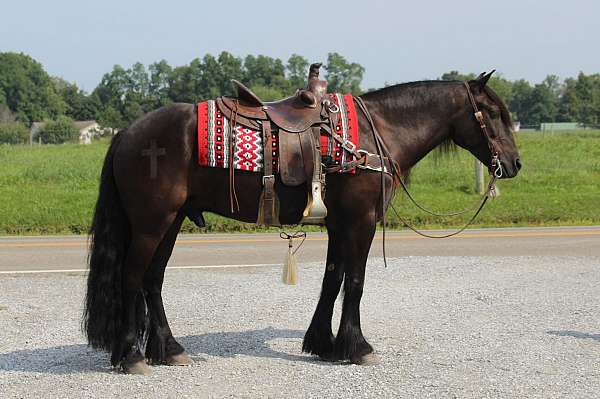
point(518, 163)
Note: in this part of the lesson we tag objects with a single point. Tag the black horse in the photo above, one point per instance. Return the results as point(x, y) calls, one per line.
point(138, 215)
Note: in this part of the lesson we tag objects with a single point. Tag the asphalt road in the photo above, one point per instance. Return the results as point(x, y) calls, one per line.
point(494, 314)
point(30, 254)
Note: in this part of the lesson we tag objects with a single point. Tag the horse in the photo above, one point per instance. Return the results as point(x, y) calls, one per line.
point(138, 214)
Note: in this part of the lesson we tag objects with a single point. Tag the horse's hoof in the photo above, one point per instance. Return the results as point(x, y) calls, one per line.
point(138, 368)
point(181, 359)
point(370, 359)
point(330, 357)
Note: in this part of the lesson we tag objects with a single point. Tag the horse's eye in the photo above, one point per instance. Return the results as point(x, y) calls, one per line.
point(494, 114)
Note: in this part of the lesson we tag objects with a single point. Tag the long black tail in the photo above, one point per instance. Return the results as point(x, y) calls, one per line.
point(109, 241)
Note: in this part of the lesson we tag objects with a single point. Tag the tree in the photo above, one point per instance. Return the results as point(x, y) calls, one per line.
point(185, 86)
point(59, 131)
point(130, 93)
point(231, 68)
point(342, 76)
point(80, 106)
point(521, 101)
point(13, 133)
point(5, 115)
point(210, 77)
point(160, 79)
point(138, 83)
point(267, 93)
point(112, 88)
point(133, 110)
point(545, 100)
point(27, 89)
point(297, 71)
point(502, 87)
point(110, 118)
point(455, 75)
point(567, 103)
point(587, 103)
point(265, 71)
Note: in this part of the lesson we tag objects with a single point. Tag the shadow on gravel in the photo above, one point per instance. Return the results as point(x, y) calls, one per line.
point(66, 359)
point(575, 334)
point(79, 358)
point(254, 343)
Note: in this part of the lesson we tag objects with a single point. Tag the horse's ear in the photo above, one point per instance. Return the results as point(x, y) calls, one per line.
point(480, 81)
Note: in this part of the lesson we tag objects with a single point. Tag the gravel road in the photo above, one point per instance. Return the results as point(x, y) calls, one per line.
point(443, 327)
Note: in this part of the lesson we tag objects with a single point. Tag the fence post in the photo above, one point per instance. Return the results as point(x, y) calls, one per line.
point(479, 179)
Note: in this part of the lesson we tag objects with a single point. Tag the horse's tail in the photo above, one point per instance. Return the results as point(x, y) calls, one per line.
point(109, 241)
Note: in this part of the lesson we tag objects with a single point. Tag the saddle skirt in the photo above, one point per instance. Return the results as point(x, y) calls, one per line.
point(214, 138)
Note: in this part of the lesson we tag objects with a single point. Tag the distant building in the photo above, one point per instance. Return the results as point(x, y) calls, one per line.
point(87, 131)
point(554, 126)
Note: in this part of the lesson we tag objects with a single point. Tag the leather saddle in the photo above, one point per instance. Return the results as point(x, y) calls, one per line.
point(298, 120)
point(294, 114)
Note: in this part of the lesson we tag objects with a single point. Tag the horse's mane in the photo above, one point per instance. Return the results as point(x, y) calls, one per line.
point(401, 87)
point(446, 147)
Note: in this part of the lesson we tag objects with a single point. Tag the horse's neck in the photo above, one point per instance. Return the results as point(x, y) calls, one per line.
point(414, 120)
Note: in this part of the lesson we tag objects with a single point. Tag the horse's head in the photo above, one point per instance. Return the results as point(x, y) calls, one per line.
point(484, 127)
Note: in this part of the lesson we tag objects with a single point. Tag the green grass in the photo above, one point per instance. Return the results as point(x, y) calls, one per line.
point(558, 185)
point(52, 189)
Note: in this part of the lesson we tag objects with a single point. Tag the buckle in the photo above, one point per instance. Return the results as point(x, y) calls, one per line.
point(366, 165)
point(349, 146)
point(267, 177)
point(333, 108)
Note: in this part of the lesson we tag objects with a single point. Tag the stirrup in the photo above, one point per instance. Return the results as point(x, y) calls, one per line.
point(315, 211)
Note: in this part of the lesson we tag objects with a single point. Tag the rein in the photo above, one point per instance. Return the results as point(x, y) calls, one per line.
point(382, 152)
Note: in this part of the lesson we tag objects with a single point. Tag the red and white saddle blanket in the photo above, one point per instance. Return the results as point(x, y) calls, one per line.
point(214, 140)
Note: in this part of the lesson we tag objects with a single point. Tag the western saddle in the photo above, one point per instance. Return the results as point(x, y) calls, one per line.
point(299, 121)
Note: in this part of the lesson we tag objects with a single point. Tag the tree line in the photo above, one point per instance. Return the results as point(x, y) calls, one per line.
point(28, 94)
point(552, 100)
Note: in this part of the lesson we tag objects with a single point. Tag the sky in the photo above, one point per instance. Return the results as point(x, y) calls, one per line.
point(396, 41)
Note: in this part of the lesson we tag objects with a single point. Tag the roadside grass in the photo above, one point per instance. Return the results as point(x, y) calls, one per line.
point(52, 189)
point(559, 184)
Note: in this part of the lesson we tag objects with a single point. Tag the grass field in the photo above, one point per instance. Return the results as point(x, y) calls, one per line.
point(52, 189)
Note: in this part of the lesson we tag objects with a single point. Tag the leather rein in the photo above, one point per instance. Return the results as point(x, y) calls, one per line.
point(384, 153)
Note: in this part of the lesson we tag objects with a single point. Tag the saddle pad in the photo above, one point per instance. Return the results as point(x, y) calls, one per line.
point(214, 141)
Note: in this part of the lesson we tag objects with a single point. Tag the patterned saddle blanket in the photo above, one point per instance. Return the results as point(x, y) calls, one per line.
point(214, 139)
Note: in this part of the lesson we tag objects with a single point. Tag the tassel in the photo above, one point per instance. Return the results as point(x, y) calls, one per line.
point(290, 268)
point(493, 191)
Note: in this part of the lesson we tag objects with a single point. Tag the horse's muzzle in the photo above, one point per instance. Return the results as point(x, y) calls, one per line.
point(510, 169)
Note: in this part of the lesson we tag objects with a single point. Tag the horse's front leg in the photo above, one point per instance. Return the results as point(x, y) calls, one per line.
point(356, 239)
point(319, 340)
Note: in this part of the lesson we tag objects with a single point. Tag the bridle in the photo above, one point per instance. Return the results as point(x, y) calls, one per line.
point(383, 153)
point(496, 165)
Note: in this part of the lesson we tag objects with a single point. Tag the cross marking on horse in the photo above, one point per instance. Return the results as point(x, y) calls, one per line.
point(153, 152)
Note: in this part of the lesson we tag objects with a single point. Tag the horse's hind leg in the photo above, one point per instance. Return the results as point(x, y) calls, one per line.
point(161, 347)
point(127, 350)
